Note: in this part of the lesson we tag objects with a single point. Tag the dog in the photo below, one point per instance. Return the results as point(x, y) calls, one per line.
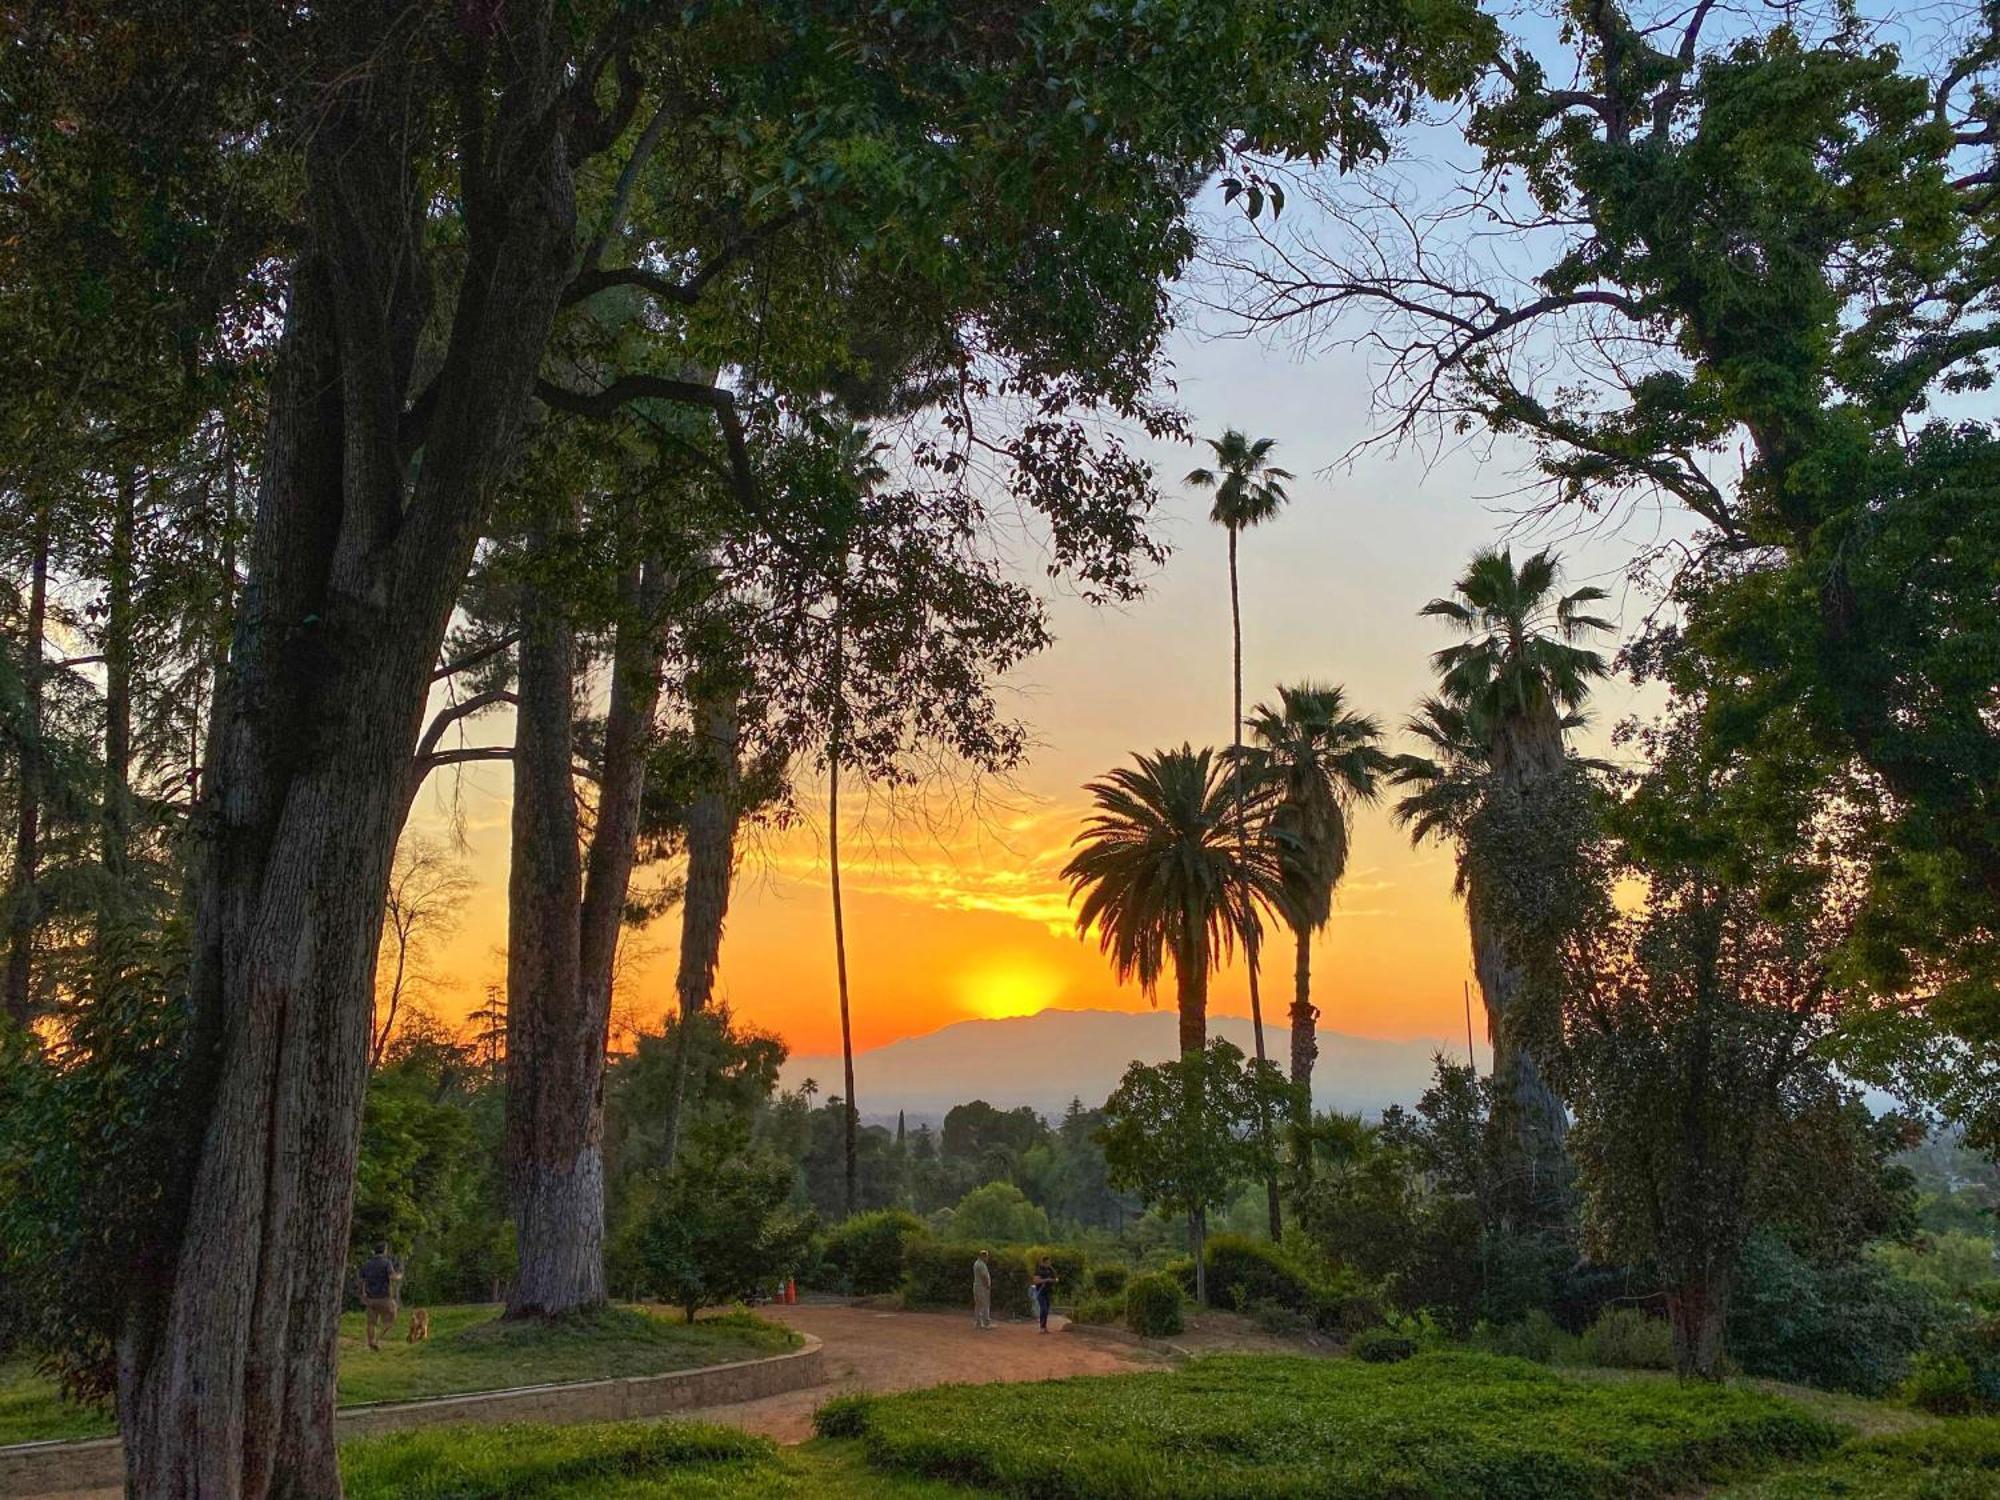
point(420, 1326)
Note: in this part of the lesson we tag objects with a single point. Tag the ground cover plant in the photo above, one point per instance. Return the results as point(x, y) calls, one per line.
point(1942, 1461)
point(1439, 1425)
point(470, 1349)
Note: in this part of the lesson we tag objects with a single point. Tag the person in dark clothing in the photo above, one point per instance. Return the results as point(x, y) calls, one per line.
point(1045, 1290)
point(381, 1277)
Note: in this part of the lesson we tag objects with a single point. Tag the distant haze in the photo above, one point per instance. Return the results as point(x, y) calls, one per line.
point(1049, 1058)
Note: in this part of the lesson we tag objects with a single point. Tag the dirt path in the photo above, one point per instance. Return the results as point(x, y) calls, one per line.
point(881, 1349)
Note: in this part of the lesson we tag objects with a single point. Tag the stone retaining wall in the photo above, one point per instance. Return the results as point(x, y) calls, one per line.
point(43, 1468)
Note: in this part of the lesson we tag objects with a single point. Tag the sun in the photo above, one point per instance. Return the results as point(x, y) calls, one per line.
point(995, 993)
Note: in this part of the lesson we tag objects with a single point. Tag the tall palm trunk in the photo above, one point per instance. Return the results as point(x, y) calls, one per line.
point(562, 945)
point(22, 894)
point(849, 1125)
point(1305, 1019)
point(711, 858)
point(1250, 942)
point(1191, 997)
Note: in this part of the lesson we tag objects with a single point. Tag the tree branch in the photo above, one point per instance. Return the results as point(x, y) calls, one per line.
point(474, 658)
point(606, 402)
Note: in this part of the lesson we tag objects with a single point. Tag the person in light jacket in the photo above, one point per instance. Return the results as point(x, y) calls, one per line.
point(982, 1292)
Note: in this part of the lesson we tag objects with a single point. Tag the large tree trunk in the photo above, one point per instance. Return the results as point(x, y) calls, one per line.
point(1191, 998)
point(115, 807)
point(226, 1365)
point(23, 887)
point(711, 860)
point(1698, 1309)
point(1305, 1018)
point(563, 944)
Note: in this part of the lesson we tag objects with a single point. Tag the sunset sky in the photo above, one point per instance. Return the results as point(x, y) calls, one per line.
point(958, 913)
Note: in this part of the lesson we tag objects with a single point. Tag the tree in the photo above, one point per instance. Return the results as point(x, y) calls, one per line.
point(1507, 694)
point(719, 1228)
point(403, 222)
point(1317, 759)
point(427, 888)
point(1185, 1134)
point(1762, 285)
point(998, 1214)
point(1164, 878)
point(1249, 490)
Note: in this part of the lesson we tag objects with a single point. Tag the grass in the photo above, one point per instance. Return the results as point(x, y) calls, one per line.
point(1956, 1460)
point(469, 1349)
point(1437, 1427)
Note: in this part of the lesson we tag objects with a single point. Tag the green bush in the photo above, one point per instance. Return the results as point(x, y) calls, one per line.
point(1382, 1346)
point(1436, 1427)
point(1108, 1281)
point(503, 1463)
point(1851, 1326)
point(997, 1213)
point(1623, 1338)
point(1940, 1384)
point(1537, 1336)
point(940, 1275)
point(842, 1417)
point(1242, 1271)
point(865, 1254)
point(1106, 1310)
point(1153, 1306)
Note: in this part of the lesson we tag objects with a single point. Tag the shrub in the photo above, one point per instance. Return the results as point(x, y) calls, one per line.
point(1276, 1318)
point(1940, 1384)
point(1153, 1306)
point(1382, 1346)
point(940, 1275)
point(1537, 1337)
point(1108, 1281)
point(842, 1417)
point(1851, 1326)
point(1242, 1271)
point(865, 1254)
point(717, 1230)
point(1623, 1338)
point(1105, 1310)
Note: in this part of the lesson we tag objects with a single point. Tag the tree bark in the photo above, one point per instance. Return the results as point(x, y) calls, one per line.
point(23, 898)
point(711, 859)
point(563, 942)
point(115, 809)
point(1305, 1019)
point(226, 1363)
point(1698, 1310)
point(1191, 999)
point(849, 1132)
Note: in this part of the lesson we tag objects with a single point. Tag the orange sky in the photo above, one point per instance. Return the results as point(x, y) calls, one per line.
point(958, 913)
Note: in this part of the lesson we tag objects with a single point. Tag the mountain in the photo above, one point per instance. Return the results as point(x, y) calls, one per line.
point(1049, 1058)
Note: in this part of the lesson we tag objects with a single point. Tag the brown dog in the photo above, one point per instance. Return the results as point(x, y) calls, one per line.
point(420, 1326)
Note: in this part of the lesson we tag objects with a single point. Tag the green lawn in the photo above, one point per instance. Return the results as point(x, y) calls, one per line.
point(469, 1349)
point(1454, 1427)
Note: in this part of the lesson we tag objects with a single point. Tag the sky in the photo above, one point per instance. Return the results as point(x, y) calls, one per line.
point(955, 909)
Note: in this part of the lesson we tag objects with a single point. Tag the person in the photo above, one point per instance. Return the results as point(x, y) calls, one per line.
point(1045, 1290)
point(982, 1292)
point(380, 1277)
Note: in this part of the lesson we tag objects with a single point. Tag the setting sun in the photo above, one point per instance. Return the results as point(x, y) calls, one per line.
point(999, 991)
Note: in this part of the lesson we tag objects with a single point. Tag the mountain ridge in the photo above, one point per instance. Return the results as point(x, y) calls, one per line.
point(1046, 1059)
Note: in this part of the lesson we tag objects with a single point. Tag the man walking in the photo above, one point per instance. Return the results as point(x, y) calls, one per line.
point(380, 1278)
point(982, 1293)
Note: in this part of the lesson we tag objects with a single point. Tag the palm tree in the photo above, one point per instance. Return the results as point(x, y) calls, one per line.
point(858, 462)
point(1508, 694)
point(1317, 759)
point(1165, 878)
point(1249, 490)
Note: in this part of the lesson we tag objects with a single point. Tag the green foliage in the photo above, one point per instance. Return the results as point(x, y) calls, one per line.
point(997, 1214)
point(1071, 1265)
point(940, 1275)
point(1537, 1337)
point(1937, 1461)
point(1103, 1309)
point(500, 1463)
point(718, 1229)
point(1242, 1271)
point(1942, 1385)
point(1108, 1280)
point(1382, 1346)
point(1153, 1306)
point(1184, 1133)
point(1954, 1265)
point(1849, 1326)
point(1624, 1338)
point(1454, 1427)
point(865, 1255)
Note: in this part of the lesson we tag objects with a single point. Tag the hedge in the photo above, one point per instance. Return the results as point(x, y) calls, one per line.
point(1153, 1306)
point(940, 1275)
point(1108, 1281)
point(866, 1254)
